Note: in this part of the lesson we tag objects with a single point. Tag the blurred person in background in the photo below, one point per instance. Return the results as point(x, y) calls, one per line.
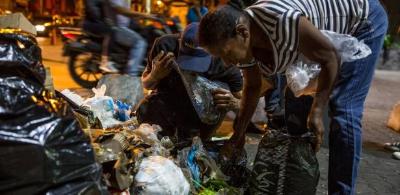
point(197, 11)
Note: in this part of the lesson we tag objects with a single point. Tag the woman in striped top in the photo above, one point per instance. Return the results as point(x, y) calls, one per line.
point(270, 35)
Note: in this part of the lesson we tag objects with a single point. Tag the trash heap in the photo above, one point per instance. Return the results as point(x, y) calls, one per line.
point(47, 152)
point(99, 111)
point(136, 159)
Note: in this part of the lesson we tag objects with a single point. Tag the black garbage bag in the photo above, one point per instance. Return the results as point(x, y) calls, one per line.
point(42, 147)
point(20, 55)
point(285, 164)
point(235, 168)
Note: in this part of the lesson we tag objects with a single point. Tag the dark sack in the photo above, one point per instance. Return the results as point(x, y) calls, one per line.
point(285, 164)
point(42, 148)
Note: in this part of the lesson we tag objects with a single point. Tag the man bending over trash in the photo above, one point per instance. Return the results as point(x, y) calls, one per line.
point(169, 105)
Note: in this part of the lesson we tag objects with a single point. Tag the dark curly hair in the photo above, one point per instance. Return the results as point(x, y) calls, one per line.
point(219, 25)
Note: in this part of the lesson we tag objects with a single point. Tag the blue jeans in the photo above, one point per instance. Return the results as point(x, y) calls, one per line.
point(347, 104)
point(273, 100)
point(136, 54)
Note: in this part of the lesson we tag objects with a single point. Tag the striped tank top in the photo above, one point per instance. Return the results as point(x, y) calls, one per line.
point(279, 20)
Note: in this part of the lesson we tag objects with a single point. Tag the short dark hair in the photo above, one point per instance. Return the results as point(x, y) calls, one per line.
point(218, 25)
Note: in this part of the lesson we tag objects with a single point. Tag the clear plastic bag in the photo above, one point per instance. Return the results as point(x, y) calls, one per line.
point(202, 99)
point(302, 77)
point(348, 47)
point(160, 176)
point(200, 90)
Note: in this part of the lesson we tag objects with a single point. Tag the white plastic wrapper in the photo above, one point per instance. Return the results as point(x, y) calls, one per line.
point(302, 77)
point(77, 99)
point(160, 176)
point(148, 133)
point(103, 107)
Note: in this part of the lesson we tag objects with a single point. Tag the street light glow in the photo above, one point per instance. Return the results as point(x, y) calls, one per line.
point(40, 28)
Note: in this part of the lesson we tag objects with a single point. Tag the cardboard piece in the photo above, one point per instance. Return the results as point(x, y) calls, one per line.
point(17, 21)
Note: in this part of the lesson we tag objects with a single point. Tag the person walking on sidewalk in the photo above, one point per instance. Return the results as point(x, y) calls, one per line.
point(271, 34)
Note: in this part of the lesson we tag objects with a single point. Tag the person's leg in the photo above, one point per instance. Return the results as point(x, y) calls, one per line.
point(347, 105)
point(136, 55)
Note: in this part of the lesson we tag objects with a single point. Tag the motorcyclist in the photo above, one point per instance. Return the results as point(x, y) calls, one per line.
point(120, 9)
point(95, 25)
point(104, 17)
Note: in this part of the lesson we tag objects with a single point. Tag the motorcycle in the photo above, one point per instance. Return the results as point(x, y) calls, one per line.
point(84, 50)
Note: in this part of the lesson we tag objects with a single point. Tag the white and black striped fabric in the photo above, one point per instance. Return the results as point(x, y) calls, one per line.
point(280, 19)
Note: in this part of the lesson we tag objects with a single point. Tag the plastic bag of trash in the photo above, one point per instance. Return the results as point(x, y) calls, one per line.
point(45, 150)
point(72, 96)
point(201, 165)
point(285, 164)
point(302, 77)
point(236, 169)
point(148, 133)
point(160, 176)
point(21, 56)
point(123, 111)
point(102, 107)
point(200, 90)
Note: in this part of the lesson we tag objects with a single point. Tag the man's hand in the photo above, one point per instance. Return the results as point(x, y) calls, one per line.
point(316, 125)
point(224, 100)
point(161, 65)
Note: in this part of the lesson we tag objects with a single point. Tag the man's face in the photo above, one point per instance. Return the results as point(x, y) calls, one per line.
point(232, 51)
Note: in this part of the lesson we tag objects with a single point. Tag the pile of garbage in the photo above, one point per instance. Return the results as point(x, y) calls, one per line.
point(61, 143)
point(100, 111)
point(136, 159)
